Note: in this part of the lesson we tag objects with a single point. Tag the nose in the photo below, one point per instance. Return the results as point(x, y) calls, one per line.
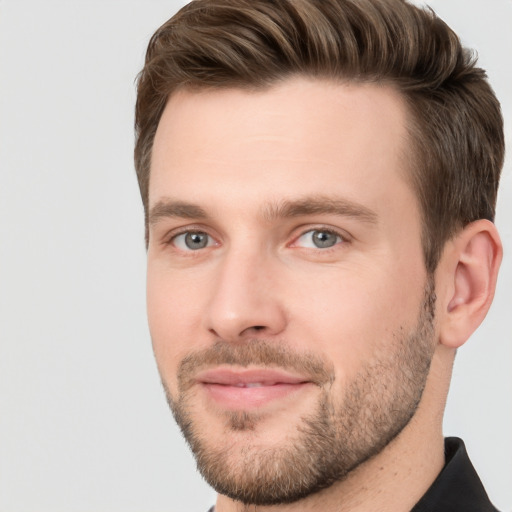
point(244, 300)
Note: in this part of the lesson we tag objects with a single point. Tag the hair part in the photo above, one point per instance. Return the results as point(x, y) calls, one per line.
point(456, 127)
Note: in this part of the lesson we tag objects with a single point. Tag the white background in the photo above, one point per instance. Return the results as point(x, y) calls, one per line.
point(83, 421)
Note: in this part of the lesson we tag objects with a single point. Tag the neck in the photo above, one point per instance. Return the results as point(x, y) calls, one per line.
point(396, 478)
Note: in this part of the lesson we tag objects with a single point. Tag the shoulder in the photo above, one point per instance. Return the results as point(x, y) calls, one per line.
point(458, 487)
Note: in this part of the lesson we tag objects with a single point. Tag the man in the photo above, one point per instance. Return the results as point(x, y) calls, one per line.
point(319, 180)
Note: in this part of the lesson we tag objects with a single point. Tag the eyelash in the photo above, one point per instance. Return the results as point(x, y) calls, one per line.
point(344, 239)
point(170, 239)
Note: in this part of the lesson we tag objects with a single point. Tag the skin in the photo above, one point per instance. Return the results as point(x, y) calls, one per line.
point(237, 157)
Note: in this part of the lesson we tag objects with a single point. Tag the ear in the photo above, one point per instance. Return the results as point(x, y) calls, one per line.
point(466, 280)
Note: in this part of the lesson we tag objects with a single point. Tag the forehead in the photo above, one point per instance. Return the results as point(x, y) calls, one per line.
point(296, 137)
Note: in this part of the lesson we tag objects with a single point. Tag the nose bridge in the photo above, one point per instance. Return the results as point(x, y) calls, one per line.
point(243, 298)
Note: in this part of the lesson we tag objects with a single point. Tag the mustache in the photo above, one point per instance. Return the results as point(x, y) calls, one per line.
point(255, 352)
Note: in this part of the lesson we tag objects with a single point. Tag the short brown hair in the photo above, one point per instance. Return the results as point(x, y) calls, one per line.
point(456, 125)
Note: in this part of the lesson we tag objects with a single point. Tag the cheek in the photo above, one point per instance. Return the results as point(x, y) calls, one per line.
point(353, 317)
point(174, 316)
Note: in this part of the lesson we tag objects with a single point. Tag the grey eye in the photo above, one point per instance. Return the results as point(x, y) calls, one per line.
point(192, 241)
point(323, 239)
point(196, 240)
point(319, 239)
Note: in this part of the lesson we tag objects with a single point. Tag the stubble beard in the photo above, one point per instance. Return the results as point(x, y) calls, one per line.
point(328, 443)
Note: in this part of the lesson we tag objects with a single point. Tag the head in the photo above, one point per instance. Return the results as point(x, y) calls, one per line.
point(455, 123)
point(303, 167)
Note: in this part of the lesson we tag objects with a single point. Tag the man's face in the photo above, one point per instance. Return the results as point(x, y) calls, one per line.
point(289, 307)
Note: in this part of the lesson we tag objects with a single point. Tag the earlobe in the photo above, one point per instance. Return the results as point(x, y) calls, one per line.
point(470, 269)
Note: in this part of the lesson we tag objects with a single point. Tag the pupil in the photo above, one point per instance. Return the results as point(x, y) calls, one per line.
point(195, 240)
point(324, 239)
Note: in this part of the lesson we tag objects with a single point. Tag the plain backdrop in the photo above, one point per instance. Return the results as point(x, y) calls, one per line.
point(83, 421)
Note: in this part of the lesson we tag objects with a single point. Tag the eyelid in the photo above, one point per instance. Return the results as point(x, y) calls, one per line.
point(171, 235)
point(184, 238)
point(344, 236)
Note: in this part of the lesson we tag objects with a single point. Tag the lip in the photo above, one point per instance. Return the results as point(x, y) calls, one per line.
point(249, 389)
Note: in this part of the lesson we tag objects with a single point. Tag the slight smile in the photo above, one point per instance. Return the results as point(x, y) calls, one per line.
point(249, 389)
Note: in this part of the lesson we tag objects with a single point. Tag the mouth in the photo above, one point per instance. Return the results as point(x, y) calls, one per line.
point(250, 389)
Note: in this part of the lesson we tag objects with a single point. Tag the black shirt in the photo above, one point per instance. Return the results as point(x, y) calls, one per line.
point(457, 488)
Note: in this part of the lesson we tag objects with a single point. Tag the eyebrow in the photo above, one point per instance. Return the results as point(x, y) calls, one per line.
point(179, 209)
point(313, 205)
point(320, 205)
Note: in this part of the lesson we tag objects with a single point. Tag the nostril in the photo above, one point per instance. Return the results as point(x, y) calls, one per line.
point(253, 330)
